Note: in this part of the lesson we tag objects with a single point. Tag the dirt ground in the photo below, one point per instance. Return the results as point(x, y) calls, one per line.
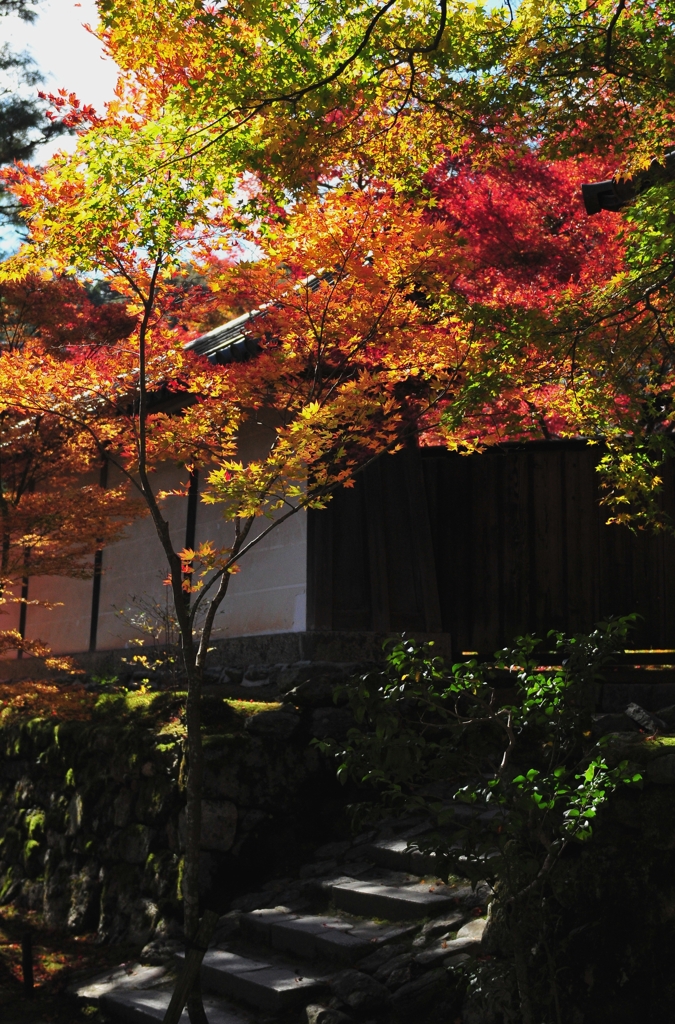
point(58, 959)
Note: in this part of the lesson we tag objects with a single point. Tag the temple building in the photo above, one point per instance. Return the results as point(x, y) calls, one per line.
point(471, 549)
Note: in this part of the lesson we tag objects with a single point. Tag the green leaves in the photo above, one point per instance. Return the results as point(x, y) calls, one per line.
point(527, 766)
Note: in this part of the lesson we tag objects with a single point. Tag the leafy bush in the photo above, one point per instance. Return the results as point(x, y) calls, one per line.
point(501, 758)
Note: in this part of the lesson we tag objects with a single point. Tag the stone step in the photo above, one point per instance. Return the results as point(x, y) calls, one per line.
point(270, 987)
point(141, 1006)
point(119, 979)
point(393, 903)
point(335, 938)
point(396, 855)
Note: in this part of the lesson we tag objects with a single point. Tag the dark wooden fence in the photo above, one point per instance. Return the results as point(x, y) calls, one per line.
point(484, 547)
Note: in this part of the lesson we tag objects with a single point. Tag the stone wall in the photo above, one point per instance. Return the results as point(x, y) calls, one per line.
point(92, 813)
point(266, 649)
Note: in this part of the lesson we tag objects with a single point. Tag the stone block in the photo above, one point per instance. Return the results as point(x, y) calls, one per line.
point(651, 723)
point(333, 723)
point(160, 951)
point(444, 948)
point(416, 996)
point(370, 899)
point(119, 979)
point(219, 825)
point(317, 692)
point(472, 929)
point(33, 895)
point(56, 899)
point(75, 814)
point(361, 993)
point(231, 676)
point(661, 770)
point(372, 963)
point(257, 983)
point(122, 808)
point(149, 1007)
point(83, 913)
point(134, 843)
point(442, 925)
point(142, 920)
point(273, 725)
point(396, 972)
point(153, 799)
point(396, 855)
point(326, 1015)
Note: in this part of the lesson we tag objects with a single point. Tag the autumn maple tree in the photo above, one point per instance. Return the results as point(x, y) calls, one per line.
point(408, 176)
point(336, 77)
point(353, 360)
point(40, 537)
point(382, 89)
point(60, 315)
point(380, 318)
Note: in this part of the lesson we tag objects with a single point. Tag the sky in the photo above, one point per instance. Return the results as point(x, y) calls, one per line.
point(68, 55)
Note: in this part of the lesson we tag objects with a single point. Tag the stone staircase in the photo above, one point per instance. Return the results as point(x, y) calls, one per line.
point(368, 930)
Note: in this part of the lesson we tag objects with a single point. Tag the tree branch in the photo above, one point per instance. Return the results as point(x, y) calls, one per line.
point(609, 60)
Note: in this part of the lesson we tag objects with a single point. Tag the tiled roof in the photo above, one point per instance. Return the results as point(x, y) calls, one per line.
point(229, 343)
point(232, 342)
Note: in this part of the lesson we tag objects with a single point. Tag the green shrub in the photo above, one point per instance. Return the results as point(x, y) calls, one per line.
point(510, 740)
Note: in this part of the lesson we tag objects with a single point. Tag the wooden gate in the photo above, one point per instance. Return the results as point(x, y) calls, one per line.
point(484, 547)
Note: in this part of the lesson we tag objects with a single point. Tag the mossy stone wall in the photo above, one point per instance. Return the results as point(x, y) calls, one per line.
point(92, 812)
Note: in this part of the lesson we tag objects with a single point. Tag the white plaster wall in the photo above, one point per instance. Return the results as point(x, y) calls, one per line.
point(135, 566)
point(64, 627)
point(9, 619)
point(64, 621)
point(267, 596)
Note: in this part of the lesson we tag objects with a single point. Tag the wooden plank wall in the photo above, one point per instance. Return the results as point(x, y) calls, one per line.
point(485, 547)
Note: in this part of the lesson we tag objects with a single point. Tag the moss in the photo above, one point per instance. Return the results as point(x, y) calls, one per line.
point(31, 852)
point(179, 878)
point(141, 702)
point(216, 742)
point(253, 707)
point(107, 749)
point(166, 748)
point(7, 883)
point(35, 824)
point(10, 844)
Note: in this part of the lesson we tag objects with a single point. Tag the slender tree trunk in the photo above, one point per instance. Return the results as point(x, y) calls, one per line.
point(193, 669)
point(193, 959)
point(193, 811)
point(194, 664)
point(23, 609)
point(195, 772)
point(522, 974)
point(195, 1006)
point(193, 814)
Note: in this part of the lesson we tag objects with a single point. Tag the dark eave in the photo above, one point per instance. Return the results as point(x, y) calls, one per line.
point(617, 192)
point(232, 342)
point(229, 343)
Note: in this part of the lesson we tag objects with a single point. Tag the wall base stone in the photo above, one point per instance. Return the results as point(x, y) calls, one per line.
point(240, 652)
